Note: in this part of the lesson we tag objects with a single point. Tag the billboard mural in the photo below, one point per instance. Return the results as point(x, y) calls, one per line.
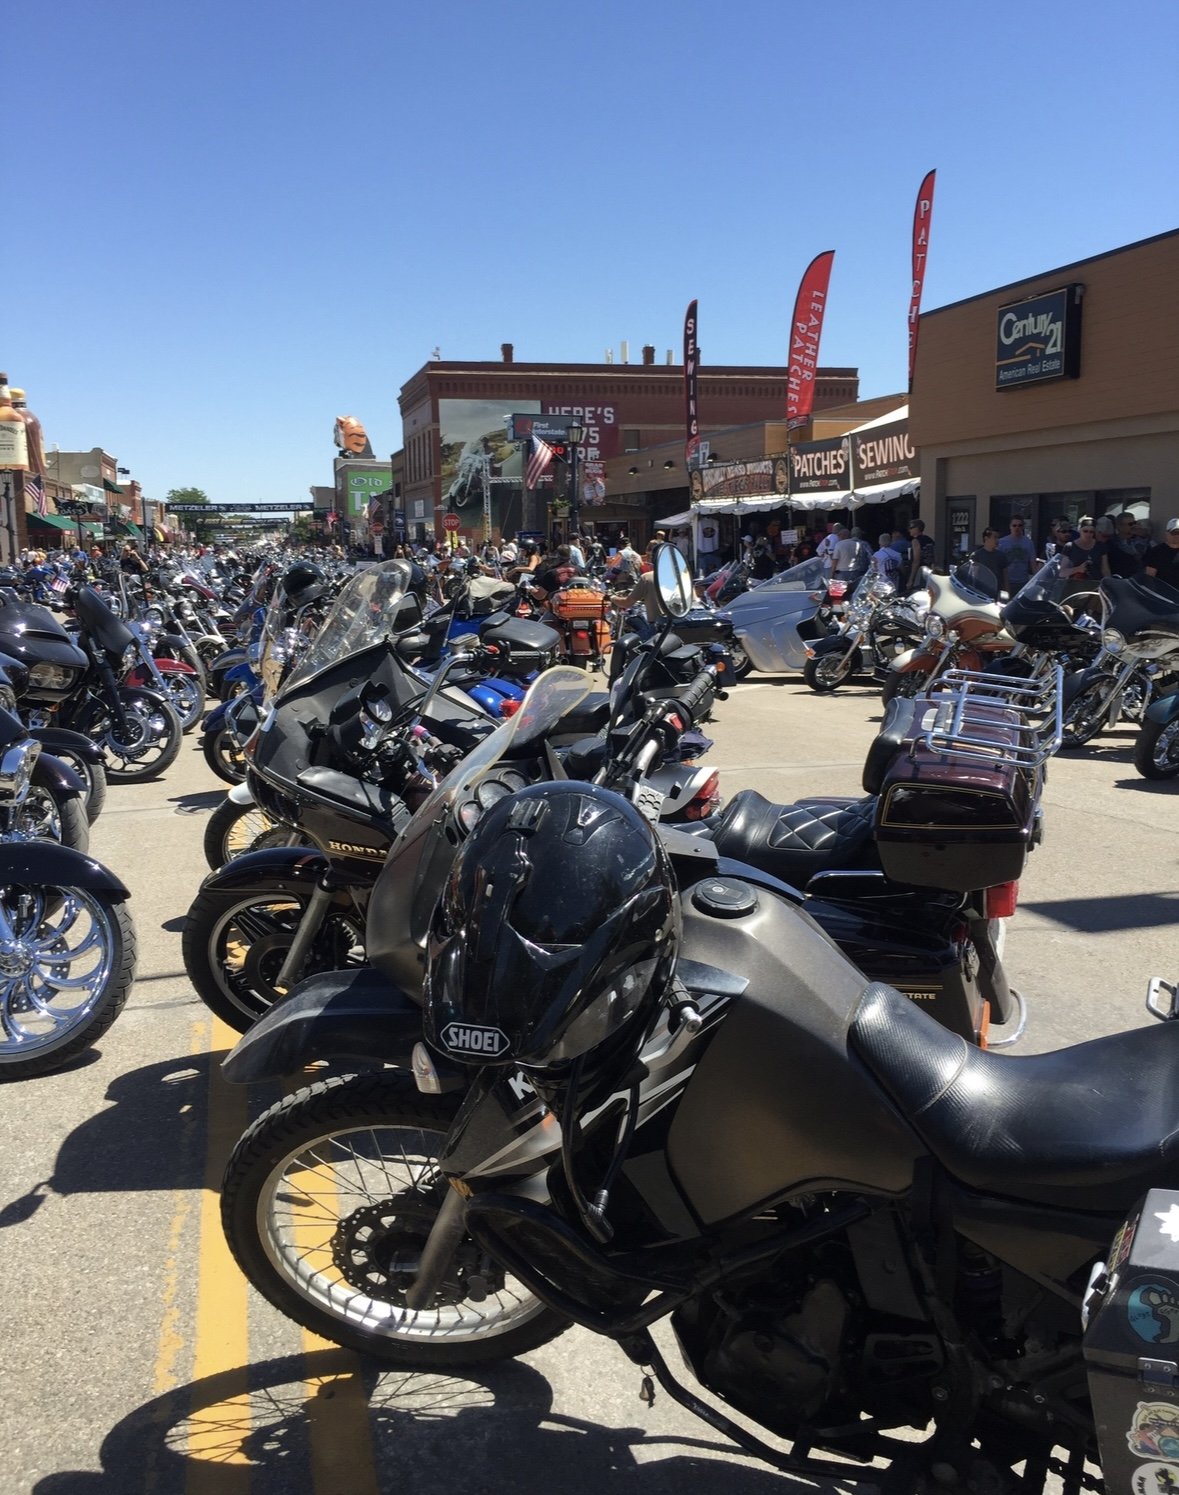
point(477, 458)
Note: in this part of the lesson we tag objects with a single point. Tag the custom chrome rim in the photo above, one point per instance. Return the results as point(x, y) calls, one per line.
point(37, 818)
point(1166, 747)
point(344, 1220)
point(57, 950)
point(147, 735)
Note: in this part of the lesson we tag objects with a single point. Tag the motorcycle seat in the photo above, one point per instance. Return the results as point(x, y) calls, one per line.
point(522, 635)
point(793, 842)
point(1090, 1127)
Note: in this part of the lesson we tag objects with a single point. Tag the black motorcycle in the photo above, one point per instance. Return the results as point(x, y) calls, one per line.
point(876, 627)
point(73, 684)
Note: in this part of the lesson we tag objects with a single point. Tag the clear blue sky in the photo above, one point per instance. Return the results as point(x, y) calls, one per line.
point(236, 221)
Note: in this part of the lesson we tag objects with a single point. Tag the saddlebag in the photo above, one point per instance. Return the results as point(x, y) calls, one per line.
point(957, 802)
point(1131, 1350)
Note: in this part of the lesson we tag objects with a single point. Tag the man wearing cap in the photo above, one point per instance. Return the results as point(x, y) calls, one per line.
point(1163, 560)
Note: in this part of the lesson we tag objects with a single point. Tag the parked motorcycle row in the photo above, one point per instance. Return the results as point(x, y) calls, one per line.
point(593, 1046)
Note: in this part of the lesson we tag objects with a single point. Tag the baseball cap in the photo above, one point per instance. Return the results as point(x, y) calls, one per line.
point(1172, 525)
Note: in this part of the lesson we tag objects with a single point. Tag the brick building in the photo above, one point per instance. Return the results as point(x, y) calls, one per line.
point(454, 435)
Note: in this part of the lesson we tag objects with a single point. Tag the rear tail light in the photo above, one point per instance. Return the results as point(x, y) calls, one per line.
point(1002, 900)
point(706, 801)
point(510, 707)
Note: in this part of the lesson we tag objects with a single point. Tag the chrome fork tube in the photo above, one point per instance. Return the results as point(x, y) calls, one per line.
point(309, 927)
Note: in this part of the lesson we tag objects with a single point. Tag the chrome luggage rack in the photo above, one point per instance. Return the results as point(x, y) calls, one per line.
point(995, 720)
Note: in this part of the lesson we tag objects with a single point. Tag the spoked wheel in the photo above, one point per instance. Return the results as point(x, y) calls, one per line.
point(186, 696)
point(223, 753)
point(233, 829)
point(909, 684)
point(827, 672)
point(149, 743)
point(1084, 716)
point(1156, 752)
point(67, 960)
point(234, 946)
point(327, 1202)
point(46, 815)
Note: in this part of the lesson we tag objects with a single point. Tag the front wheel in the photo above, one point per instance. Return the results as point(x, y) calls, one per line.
point(235, 943)
point(92, 774)
point(827, 672)
point(65, 978)
point(223, 753)
point(1156, 752)
point(905, 685)
point(234, 829)
point(147, 745)
point(186, 695)
point(326, 1204)
point(47, 814)
point(742, 664)
point(1084, 716)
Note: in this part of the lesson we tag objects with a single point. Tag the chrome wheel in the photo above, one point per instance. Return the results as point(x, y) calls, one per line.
point(57, 953)
point(37, 819)
point(147, 745)
point(186, 696)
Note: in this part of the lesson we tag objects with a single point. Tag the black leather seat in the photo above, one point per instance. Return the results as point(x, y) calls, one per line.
point(793, 842)
point(1089, 1128)
point(521, 634)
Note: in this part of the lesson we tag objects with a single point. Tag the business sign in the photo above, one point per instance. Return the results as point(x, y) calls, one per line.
point(821, 466)
point(884, 454)
point(601, 436)
point(361, 486)
point(549, 428)
point(298, 506)
point(207, 510)
point(1039, 339)
point(736, 480)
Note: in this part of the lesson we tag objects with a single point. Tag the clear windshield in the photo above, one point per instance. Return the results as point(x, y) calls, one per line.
point(1049, 584)
point(363, 614)
point(807, 576)
point(872, 586)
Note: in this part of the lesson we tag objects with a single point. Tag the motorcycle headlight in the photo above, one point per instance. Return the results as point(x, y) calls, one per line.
point(1112, 640)
point(935, 626)
point(50, 676)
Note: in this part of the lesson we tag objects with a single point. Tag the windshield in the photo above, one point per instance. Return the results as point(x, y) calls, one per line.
point(807, 576)
point(363, 614)
point(1049, 584)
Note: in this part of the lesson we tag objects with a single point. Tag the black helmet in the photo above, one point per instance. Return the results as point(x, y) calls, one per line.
point(303, 582)
point(559, 923)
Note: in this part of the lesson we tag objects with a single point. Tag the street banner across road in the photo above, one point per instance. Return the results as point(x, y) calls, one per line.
point(806, 328)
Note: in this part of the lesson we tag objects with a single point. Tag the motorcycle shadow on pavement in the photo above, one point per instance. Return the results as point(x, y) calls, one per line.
point(481, 1432)
point(167, 1102)
point(1109, 913)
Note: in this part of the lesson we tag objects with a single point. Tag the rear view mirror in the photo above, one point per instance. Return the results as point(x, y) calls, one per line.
point(673, 581)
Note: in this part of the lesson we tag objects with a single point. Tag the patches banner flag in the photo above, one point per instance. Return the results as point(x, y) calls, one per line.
point(806, 329)
point(691, 414)
point(922, 217)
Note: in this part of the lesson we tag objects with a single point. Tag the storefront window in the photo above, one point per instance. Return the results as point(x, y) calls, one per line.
point(1008, 506)
point(1114, 500)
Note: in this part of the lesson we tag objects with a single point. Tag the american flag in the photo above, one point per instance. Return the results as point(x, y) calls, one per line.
point(538, 462)
point(374, 509)
point(35, 488)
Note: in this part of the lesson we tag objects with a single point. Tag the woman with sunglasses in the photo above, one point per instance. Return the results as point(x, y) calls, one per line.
point(1086, 555)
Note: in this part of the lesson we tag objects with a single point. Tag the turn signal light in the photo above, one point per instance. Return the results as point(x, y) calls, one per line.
point(706, 801)
point(509, 708)
point(1002, 899)
point(250, 744)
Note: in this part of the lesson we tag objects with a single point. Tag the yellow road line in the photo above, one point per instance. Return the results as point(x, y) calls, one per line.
point(217, 1461)
point(337, 1409)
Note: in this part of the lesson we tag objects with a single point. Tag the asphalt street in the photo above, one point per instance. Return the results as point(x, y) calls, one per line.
point(134, 1358)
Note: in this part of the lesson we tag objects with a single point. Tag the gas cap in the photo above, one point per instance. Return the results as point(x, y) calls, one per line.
point(724, 897)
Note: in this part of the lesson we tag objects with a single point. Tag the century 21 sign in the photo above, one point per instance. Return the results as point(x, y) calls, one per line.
point(1039, 339)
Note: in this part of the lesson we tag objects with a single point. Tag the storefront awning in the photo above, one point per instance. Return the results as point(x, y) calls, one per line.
point(50, 521)
point(91, 527)
point(675, 521)
point(111, 487)
point(747, 503)
point(158, 534)
point(884, 493)
point(132, 529)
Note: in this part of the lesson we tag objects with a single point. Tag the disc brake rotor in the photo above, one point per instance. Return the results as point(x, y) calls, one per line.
point(377, 1248)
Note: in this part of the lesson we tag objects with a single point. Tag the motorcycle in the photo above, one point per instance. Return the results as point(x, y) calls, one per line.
point(964, 629)
point(1156, 748)
point(877, 625)
point(1139, 658)
point(775, 620)
point(73, 684)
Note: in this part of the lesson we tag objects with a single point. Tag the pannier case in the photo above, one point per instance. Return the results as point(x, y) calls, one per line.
point(1131, 1350)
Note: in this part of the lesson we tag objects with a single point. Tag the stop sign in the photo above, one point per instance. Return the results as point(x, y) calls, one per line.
point(450, 521)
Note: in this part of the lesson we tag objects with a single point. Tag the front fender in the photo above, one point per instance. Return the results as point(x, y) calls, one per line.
point(59, 739)
point(1164, 710)
point(833, 643)
point(913, 659)
point(227, 660)
point(275, 869)
point(31, 862)
point(51, 773)
point(337, 1015)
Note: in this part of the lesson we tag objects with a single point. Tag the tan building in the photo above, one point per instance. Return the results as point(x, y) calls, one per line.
point(1057, 395)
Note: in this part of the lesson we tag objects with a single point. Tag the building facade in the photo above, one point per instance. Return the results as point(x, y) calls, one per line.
point(1056, 395)
point(456, 450)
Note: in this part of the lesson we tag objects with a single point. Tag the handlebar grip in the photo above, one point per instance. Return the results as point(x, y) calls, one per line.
point(698, 693)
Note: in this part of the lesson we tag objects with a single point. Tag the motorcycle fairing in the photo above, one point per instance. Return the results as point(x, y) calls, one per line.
point(339, 1015)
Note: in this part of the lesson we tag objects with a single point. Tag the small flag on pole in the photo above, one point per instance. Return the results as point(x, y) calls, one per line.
point(538, 462)
point(35, 487)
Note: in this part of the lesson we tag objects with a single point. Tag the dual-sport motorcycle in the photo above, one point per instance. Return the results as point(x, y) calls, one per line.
point(657, 1091)
point(876, 627)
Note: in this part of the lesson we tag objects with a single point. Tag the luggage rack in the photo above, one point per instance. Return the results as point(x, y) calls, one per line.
point(996, 720)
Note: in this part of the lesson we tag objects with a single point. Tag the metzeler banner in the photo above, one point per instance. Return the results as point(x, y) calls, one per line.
point(691, 420)
point(922, 217)
point(806, 329)
point(821, 466)
point(884, 454)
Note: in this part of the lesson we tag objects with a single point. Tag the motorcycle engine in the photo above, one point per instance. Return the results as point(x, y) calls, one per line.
point(778, 1364)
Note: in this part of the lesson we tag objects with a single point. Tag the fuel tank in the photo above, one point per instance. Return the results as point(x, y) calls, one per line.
point(776, 1105)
